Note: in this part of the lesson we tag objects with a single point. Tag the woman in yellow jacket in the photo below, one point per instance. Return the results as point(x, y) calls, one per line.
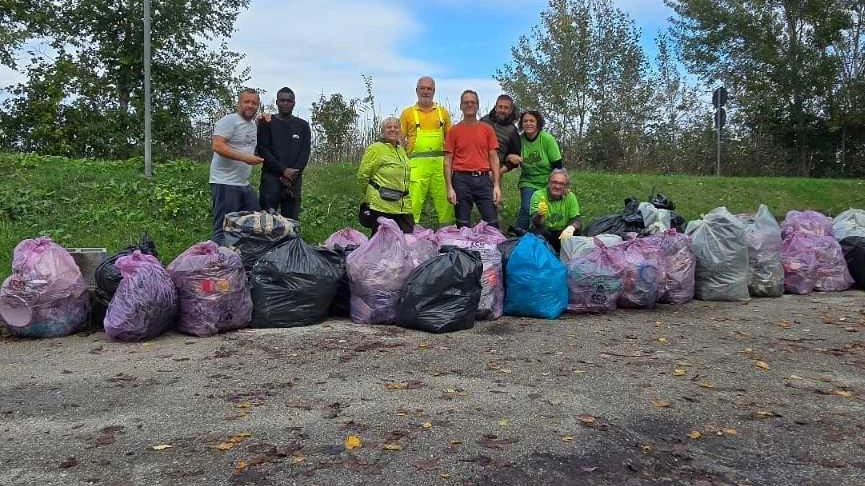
point(384, 177)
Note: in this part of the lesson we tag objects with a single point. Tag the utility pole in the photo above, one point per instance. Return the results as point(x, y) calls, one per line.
point(148, 162)
point(719, 99)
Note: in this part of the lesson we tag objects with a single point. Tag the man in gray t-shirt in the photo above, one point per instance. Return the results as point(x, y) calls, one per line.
point(234, 140)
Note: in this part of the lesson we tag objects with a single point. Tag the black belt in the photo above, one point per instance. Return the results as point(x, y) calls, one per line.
point(474, 173)
point(377, 186)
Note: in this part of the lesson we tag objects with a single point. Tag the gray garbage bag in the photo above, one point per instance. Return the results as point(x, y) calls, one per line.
point(764, 253)
point(721, 248)
point(849, 223)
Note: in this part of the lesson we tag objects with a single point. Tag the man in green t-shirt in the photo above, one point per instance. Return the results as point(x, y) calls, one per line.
point(555, 210)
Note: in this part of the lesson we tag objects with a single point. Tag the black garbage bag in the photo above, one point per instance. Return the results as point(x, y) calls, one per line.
point(293, 285)
point(442, 293)
point(341, 305)
point(854, 253)
point(254, 246)
point(661, 201)
point(629, 221)
point(108, 277)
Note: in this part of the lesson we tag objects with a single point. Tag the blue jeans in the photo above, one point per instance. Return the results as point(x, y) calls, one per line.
point(228, 199)
point(525, 201)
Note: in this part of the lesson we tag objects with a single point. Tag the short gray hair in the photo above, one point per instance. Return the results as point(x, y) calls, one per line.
point(562, 172)
point(390, 119)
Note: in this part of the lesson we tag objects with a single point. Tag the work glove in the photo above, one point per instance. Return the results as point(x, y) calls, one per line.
point(567, 232)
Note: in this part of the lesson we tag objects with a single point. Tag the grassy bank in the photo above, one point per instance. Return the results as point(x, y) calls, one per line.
point(96, 203)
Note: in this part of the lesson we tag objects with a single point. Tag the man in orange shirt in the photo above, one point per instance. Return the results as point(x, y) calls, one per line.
point(472, 165)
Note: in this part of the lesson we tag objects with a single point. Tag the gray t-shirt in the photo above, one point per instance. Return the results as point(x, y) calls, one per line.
point(241, 136)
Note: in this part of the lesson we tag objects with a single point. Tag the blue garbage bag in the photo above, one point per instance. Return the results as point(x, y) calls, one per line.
point(536, 283)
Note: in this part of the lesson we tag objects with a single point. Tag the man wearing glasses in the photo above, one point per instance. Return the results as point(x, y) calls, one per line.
point(472, 165)
point(284, 143)
point(556, 211)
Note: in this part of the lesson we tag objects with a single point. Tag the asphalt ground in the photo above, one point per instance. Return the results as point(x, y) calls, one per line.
point(766, 392)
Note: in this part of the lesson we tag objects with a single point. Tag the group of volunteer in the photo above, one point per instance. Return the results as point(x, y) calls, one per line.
point(423, 155)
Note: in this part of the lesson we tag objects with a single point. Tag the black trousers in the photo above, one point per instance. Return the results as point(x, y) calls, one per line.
point(369, 219)
point(275, 195)
point(229, 199)
point(474, 188)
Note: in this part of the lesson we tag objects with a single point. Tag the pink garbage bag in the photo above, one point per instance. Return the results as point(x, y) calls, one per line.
point(422, 243)
point(377, 271)
point(800, 263)
point(483, 239)
point(344, 238)
point(808, 222)
point(679, 264)
point(643, 274)
point(212, 291)
point(45, 296)
point(596, 280)
point(832, 274)
point(145, 304)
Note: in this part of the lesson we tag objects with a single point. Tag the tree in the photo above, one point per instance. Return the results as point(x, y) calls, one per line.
point(99, 64)
point(774, 56)
point(584, 69)
point(333, 125)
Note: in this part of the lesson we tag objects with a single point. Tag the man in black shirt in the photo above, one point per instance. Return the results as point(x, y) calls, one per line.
point(284, 143)
point(502, 119)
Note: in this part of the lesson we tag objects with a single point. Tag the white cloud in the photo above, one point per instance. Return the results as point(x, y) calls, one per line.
point(333, 45)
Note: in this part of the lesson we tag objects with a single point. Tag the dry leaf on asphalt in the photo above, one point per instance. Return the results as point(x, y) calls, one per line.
point(762, 365)
point(784, 324)
point(241, 466)
point(731, 431)
point(706, 384)
point(161, 447)
point(844, 393)
point(679, 372)
point(587, 418)
point(392, 447)
point(504, 422)
point(426, 425)
point(695, 434)
point(232, 441)
point(353, 442)
point(658, 403)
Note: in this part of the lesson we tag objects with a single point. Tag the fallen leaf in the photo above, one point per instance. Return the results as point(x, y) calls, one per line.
point(662, 340)
point(731, 431)
point(444, 475)
point(232, 441)
point(243, 405)
point(505, 371)
point(392, 447)
point(456, 442)
point(762, 414)
point(658, 403)
point(762, 365)
point(423, 345)
point(426, 425)
point(647, 448)
point(504, 422)
point(706, 384)
point(795, 377)
point(161, 447)
point(241, 466)
point(844, 393)
point(568, 437)
point(579, 372)
point(298, 459)
point(695, 434)
point(784, 324)
point(353, 442)
point(394, 386)
point(586, 418)
point(679, 372)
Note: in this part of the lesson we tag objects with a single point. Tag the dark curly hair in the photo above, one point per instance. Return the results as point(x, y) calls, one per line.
point(537, 115)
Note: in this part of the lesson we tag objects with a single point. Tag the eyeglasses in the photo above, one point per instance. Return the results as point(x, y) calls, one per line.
point(557, 183)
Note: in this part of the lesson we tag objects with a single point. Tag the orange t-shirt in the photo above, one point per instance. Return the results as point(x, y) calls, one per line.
point(470, 146)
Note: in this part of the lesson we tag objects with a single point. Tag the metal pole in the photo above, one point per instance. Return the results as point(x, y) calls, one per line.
point(148, 163)
point(718, 123)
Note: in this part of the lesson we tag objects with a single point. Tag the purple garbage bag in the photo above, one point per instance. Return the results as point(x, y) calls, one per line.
point(422, 243)
point(345, 238)
point(377, 271)
point(483, 239)
point(679, 264)
point(800, 263)
point(212, 291)
point(832, 274)
point(45, 296)
point(808, 222)
point(642, 274)
point(145, 303)
point(596, 280)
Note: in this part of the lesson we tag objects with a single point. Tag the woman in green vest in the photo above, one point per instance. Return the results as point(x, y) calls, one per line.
point(384, 176)
point(540, 153)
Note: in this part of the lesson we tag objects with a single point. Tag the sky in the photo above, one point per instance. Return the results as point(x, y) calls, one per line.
point(323, 46)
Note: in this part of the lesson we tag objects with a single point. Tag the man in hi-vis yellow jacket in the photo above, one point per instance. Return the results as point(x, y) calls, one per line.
point(424, 126)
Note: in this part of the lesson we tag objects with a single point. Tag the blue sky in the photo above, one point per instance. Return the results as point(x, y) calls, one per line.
point(323, 46)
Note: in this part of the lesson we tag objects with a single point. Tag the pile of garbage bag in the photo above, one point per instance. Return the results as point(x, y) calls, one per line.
point(145, 303)
point(212, 291)
point(655, 216)
point(45, 296)
point(442, 293)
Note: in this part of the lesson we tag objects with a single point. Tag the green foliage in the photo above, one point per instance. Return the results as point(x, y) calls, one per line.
point(86, 98)
point(333, 123)
point(104, 203)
